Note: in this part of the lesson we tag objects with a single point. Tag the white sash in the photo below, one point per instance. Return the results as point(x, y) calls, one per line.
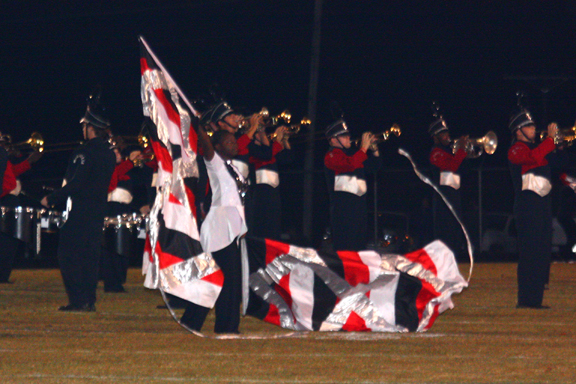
point(267, 176)
point(535, 183)
point(450, 179)
point(350, 184)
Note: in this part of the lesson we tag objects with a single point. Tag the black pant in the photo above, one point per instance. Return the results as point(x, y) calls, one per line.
point(349, 221)
point(8, 249)
point(267, 218)
point(114, 268)
point(534, 228)
point(446, 226)
point(228, 303)
point(79, 250)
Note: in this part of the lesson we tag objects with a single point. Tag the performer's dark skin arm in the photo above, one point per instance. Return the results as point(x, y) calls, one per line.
point(205, 143)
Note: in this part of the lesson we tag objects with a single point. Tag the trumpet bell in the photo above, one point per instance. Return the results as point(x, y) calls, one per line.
point(488, 143)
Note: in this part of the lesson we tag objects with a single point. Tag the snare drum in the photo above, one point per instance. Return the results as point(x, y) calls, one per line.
point(120, 234)
point(21, 222)
point(51, 221)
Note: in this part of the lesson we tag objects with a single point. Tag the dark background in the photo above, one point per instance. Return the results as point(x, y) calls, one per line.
point(383, 62)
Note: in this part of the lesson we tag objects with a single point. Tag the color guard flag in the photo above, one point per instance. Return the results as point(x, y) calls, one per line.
point(173, 259)
point(306, 290)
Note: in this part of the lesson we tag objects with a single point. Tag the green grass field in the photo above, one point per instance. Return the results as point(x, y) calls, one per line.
point(484, 339)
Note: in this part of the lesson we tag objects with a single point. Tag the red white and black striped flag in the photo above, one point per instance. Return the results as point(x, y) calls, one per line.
point(306, 290)
point(174, 260)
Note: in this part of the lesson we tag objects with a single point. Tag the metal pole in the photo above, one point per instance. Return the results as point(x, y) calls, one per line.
point(312, 101)
point(480, 205)
point(375, 208)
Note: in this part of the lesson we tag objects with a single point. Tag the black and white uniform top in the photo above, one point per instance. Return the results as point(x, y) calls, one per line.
point(226, 220)
point(86, 181)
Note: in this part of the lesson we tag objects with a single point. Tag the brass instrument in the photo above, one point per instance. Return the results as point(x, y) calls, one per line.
point(488, 143)
point(382, 136)
point(565, 135)
point(293, 129)
point(268, 121)
point(35, 142)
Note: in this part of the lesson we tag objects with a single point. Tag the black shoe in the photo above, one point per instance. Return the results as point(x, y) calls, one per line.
point(78, 308)
point(520, 306)
point(6, 282)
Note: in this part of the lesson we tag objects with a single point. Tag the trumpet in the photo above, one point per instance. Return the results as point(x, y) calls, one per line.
point(488, 143)
point(566, 135)
point(292, 129)
point(382, 136)
point(35, 142)
point(267, 120)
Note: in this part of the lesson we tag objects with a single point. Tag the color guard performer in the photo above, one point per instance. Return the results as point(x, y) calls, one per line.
point(221, 230)
point(86, 184)
point(446, 174)
point(345, 170)
point(531, 178)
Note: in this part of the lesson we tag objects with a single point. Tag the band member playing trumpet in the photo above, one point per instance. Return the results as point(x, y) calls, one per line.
point(266, 202)
point(345, 170)
point(531, 178)
point(86, 184)
point(445, 169)
point(10, 169)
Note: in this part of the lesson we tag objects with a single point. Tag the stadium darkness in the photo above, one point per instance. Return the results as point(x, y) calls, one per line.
point(382, 62)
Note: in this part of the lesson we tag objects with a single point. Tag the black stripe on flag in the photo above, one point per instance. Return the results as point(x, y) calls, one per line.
point(177, 243)
point(324, 302)
point(333, 262)
point(405, 301)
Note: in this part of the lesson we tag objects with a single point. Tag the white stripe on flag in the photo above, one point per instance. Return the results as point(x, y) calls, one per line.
point(302, 292)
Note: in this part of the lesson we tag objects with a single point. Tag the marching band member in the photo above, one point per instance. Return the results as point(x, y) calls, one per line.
point(220, 232)
point(9, 198)
point(531, 178)
point(445, 168)
point(345, 170)
point(86, 183)
point(266, 201)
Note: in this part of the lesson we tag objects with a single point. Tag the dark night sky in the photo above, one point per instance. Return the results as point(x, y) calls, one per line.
point(382, 61)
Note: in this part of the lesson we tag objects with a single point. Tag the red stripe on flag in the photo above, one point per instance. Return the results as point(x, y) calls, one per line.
point(163, 157)
point(355, 323)
point(166, 260)
point(143, 65)
point(355, 271)
point(148, 248)
point(216, 278)
point(426, 294)
point(421, 257)
point(275, 249)
point(174, 200)
point(191, 200)
point(172, 114)
point(434, 316)
point(283, 289)
point(273, 315)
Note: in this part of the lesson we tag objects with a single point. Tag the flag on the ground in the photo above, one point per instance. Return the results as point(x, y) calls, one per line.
point(304, 289)
point(174, 260)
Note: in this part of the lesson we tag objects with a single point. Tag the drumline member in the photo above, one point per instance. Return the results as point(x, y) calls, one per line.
point(220, 232)
point(122, 200)
point(266, 201)
point(531, 178)
point(446, 174)
point(11, 187)
point(345, 169)
point(86, 183)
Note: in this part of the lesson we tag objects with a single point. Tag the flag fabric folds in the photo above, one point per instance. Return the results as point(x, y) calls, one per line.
point(173, 259)
point(307, 290)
